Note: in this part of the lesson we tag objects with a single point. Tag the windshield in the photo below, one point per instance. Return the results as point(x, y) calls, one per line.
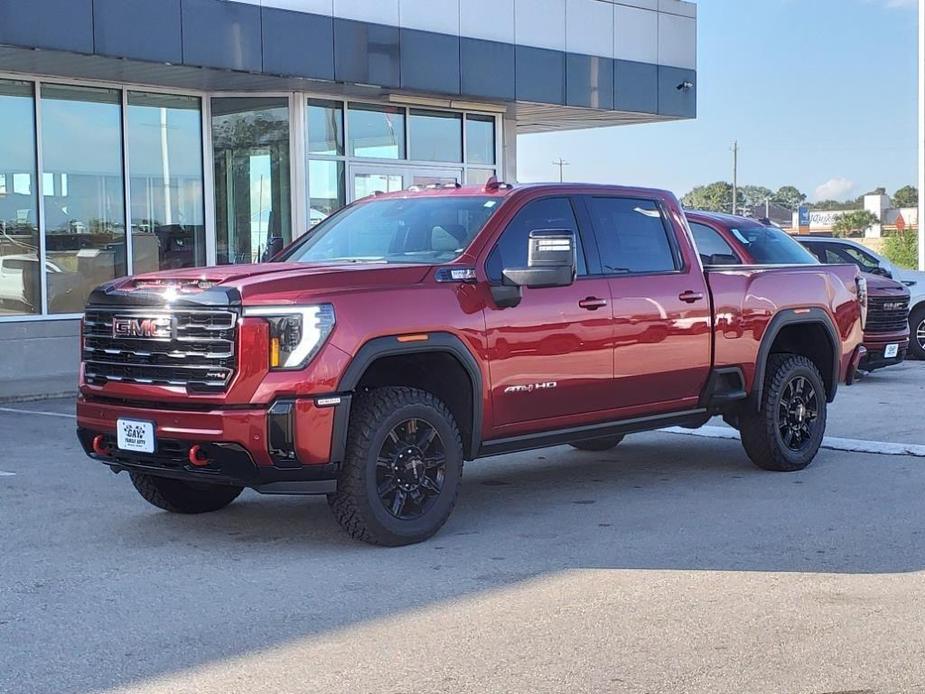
point(397, 230)
point(771, 246)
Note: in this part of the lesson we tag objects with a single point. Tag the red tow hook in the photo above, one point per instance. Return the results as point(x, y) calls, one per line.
point(197, 457)
point(99, 447)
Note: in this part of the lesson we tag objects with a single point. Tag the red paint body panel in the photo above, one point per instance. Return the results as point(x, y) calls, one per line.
point(877, 287)
point(647, 351)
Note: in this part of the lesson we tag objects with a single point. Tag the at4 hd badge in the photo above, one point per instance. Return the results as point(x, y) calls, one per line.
point(532, 387)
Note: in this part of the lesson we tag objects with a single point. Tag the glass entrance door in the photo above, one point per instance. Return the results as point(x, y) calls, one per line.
point(367, 179)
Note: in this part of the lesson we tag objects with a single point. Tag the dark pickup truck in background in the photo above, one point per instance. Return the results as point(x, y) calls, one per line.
point(410, 332)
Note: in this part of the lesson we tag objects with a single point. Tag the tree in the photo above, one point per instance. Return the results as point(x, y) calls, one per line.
point(854, 223)
point(790, 197)
point(755, 196)
point(715, 197)
point(907, 196)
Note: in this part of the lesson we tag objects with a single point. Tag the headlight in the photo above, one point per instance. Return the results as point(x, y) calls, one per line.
point(296, 332)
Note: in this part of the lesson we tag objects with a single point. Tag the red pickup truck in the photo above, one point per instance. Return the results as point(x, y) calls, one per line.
point(410, 332)
point(724, 239)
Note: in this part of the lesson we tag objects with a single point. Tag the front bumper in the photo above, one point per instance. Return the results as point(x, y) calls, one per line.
point(876, 345)
point(293, 446)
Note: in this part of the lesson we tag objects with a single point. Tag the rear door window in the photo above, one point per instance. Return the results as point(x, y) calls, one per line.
point(632, 236)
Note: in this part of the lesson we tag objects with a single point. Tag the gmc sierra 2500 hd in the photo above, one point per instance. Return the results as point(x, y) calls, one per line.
point(412, 331)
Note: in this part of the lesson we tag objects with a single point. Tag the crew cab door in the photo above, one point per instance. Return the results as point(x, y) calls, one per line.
point(661, 304)
point(551, 356)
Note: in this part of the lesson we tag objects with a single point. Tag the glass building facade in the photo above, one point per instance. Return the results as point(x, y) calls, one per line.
point(98, 182)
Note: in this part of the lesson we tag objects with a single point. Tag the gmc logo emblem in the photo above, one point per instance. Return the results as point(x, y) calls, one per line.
point(142, 327)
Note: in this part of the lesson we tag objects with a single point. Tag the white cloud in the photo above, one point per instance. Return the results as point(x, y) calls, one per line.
point(838, 188)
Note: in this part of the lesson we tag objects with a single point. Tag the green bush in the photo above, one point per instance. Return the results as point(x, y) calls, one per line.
point(903, 248)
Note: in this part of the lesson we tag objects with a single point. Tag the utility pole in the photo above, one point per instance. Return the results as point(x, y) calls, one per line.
point(561, 164)
point(735, 176)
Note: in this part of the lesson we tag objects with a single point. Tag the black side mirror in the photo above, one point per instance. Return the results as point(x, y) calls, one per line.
point(882, 271)
point(551, 261)
point(274, 246)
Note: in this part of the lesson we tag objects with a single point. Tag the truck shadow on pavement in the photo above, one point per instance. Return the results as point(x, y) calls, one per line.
point(269, 570)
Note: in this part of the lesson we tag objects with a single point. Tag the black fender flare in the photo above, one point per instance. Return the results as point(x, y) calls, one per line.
point(788, 317)
point(388, 346)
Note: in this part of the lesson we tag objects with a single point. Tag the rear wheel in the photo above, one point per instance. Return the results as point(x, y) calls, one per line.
point(177, 496)
point(917, 333)
point(402, 468)
point(786, 432)
point(598, 445)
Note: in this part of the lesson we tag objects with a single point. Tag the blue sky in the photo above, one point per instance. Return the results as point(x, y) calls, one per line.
point(821, 94)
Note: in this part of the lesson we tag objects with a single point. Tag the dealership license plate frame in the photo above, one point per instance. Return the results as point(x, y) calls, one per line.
point(143, 440)
point(891, 351)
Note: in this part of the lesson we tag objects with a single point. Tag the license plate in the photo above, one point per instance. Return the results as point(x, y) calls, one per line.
point(135, 435)
point(891, 351)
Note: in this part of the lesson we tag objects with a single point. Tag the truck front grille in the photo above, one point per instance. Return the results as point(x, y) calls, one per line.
point(190, 348)
point(886, 315)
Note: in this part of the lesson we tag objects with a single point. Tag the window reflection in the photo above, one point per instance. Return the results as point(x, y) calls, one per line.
point(20, 281)
point(83, 192)
point(250, 139)
point(436, 136)
point(480, 140)
point(325, 189)
point(165, 172)
point(325, 128)
point(377, 132)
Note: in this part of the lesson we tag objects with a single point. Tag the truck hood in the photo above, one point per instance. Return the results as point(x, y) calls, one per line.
point(255, 284)
point(884, 286)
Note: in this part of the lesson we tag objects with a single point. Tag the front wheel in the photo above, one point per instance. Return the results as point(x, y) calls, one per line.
point(917, 333)
point(598, 445)
point(177, 496)
point(402, 469)
point(786, 432)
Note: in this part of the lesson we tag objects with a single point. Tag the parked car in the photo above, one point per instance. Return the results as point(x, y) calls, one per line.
point(412, 331)
point(20, 281)
point(836, 250)
point(724, 239)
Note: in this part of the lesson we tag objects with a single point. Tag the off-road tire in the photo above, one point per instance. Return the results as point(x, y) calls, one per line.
point(177, 496)
point(597, 445)
point(759, 430)
point(916, 321)
point(356, 504)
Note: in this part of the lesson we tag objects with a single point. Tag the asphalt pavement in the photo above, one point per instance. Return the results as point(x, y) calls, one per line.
point(669, 564)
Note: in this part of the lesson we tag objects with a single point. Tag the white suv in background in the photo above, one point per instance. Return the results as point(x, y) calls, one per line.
point(832, 251)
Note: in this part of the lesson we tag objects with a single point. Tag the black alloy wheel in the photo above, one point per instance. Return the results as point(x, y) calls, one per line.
point(410, 469)
point(798, 411)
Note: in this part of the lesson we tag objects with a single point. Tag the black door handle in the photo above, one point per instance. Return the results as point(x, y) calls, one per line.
point(690, 297)
point(592, 303)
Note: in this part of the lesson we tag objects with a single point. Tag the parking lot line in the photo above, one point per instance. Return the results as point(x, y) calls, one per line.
point(7, 474)
point(834, 443)
point(43, 414)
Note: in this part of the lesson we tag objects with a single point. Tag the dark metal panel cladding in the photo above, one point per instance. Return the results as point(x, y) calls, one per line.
point(486, 69)
point(218, 33)
point(140, 29)
point(635, 86)
point(429, 61)
point(298, 44)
